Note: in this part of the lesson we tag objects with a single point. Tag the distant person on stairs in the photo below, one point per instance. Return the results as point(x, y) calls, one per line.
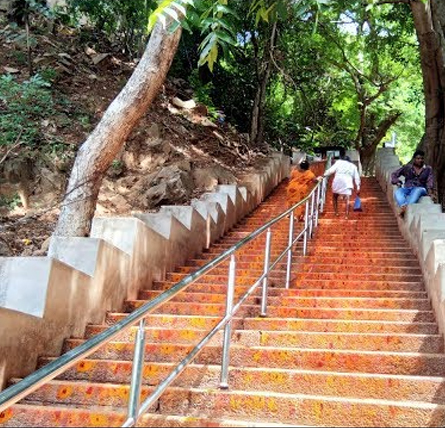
point(346, 174)
point(419, 181)
point(301, 182)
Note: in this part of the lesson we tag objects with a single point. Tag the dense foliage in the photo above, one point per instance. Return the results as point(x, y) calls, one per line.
point(315, 72)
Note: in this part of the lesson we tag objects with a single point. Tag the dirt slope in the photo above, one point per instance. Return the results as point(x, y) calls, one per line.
point(174, 155)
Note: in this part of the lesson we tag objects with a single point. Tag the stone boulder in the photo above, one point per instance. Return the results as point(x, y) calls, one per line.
point(5, 251)
point(169, 186)
point(208, 178)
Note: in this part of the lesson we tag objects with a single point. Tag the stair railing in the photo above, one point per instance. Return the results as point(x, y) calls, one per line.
point(314, 204)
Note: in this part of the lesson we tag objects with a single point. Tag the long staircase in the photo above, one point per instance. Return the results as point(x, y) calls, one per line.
point(354, 342)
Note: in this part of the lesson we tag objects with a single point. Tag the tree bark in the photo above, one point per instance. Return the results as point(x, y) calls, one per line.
point(103, 145)
point(429, 21)
point(257, 121)
point(368, 149)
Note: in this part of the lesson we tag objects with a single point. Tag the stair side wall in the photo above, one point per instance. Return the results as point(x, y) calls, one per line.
point(45, 300)
point(424, 229)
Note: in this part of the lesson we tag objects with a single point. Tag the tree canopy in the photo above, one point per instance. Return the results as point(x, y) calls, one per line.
point(290, 73)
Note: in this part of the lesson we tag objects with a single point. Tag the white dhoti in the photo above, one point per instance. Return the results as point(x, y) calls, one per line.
point(345, 175)
point(342, 184)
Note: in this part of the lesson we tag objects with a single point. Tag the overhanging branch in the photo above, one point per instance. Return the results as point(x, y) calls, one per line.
point(392, 2)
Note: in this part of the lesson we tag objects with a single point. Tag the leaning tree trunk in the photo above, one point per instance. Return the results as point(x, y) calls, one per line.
point(107, 139)
point(429, 20)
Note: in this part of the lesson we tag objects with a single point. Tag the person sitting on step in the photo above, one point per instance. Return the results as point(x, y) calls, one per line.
point(419, 181)
point(346, 174)
point(301, 183)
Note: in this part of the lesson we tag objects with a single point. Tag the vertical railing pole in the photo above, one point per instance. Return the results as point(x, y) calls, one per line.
point(289, 254)
point(323, 194)
point(306, 228)
point(311, 219)
point(317, 206)
point(224, 384)
point(136, 376)
point(266, 272)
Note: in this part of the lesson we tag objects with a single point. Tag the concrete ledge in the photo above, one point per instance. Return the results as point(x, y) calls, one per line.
point(227, 206)
point(45, 300)
point(23, 284)
point(236, 197)
point(436, 289)
point(248, 199)
point(194, 222)
point(424, 230)
point(162, 246)
point(215, 219)
point(25, 334)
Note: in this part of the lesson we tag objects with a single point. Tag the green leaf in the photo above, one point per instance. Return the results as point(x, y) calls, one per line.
point(282, 10)
point(226, 38)
point(167, 8)
point(225, 10)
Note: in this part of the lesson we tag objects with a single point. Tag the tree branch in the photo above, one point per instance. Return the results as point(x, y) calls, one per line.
point(392, 2)
point(13, 147)
point(385, 126)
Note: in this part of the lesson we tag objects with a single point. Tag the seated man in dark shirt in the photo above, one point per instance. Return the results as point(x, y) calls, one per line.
point(419, 181)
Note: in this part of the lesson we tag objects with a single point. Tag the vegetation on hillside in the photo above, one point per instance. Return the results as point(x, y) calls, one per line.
point(287, 74)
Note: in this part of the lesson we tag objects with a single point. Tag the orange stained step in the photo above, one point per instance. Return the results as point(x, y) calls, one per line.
point(353, 342)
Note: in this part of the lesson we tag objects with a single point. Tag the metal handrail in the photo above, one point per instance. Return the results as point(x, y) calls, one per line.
point(314, 203)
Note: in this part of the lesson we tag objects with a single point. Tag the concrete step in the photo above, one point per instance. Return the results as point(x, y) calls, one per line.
point(257, 268)
point(285, 408)
point(352, 254)
point(397, 363)
point(221, 285)
point(188, 308)
point(291, 381)
point(280, 324)
point(339, 325)
point(218, 279)
point(248, 277)
point(346, 302)
point(258, 248)
point(50, 416)
point(345, 276)
point(206, 293)
point(203, 297)
point(322, 302)
point(322, 236)
point(282, 236)
point(300, 301)
point(206, 322)
point(394, 262)
point(304, 339)
point(323, 251)
point(273, 407)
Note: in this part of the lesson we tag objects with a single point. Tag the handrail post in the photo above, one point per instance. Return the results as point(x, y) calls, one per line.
point(317, 206)
point(266, 272)
point(311, 222)
point(224, 383)
point(306, 227)
point(289, 254)
point(323, 194)
point(136, 376)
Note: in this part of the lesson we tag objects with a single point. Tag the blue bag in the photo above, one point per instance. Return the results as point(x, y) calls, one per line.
point(358, 204)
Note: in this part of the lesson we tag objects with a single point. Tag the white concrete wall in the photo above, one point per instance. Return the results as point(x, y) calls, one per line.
point(424, 229)
point(45, 300)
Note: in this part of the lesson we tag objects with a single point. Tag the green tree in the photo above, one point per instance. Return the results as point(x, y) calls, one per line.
point(122, 21)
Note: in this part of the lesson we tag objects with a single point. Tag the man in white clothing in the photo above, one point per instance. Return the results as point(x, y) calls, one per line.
point(346, 174)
